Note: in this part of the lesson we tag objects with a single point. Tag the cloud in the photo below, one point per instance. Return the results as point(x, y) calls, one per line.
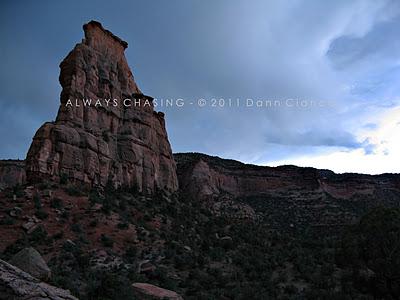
point(383, 157)
point(342, 51)
point(280, 53)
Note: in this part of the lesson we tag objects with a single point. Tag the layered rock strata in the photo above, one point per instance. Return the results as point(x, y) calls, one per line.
point(126, 145)
point(12, 172)
point(288, 194)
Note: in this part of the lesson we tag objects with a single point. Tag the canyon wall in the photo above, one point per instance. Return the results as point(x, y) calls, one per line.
point(12, 172)
point(288, 194)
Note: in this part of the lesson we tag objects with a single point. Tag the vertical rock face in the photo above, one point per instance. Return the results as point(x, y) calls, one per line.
point(126, 145)
point(12, 172)
point(305, 196)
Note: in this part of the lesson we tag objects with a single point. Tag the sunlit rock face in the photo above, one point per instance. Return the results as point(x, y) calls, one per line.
point(126, 145)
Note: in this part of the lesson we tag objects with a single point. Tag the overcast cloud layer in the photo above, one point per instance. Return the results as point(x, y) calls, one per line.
point(347, 52)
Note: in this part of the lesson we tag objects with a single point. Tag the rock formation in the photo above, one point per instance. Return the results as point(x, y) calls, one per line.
point(12, 172)
point(145, 291)
point(205, 176)
point(30, 261)
point(301, 195)
point(16, 284)
point(96, 144)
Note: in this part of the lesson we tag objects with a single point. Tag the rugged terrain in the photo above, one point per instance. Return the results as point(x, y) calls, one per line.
point(99, 242)
point(16, 284)
point(127, 146)
point(12, 172)
point(286, 195)
point(284, 241)
point(96, 209)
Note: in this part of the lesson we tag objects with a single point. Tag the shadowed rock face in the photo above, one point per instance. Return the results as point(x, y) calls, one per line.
point(127, 146)
point(286, 194)
point(12, 172)
point(30, 261)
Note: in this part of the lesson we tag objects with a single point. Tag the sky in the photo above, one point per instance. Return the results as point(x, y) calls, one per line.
point(340, 59)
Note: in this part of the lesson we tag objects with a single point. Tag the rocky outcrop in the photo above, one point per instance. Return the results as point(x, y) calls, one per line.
point(287, 193)
point(17, 285)
point(12, 172)
point(110, 140)
point(145, 291)
point(30, 261)
point(206, 176)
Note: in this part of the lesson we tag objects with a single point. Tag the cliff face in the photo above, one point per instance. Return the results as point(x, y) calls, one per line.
point(286, 194)
point(205, 176)
point(12, 172)
point(127, 145)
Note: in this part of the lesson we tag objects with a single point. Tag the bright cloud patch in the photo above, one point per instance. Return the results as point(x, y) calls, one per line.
point(383, 158)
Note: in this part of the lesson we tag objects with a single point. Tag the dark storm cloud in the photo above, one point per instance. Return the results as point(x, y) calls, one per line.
point(228, 49)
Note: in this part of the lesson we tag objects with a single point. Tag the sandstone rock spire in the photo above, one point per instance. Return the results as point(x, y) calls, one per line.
point(126, 145)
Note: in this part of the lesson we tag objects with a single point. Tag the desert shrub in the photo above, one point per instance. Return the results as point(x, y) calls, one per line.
point(76, 227)
point(106, 241)
point(7, 220)
point(374, 244)
point(59, 235)
point(130, 254)
point(63, 178)
point(41, 214)
point(93, 223)
point(107, 205)
point(73, 190)
point(94, 197)
point(65, 214)
point(123, 225)
point(43, 185)
point(108, 285)
point(38, 236)
point(18, 191)
point(37, 202)
point(56, 203)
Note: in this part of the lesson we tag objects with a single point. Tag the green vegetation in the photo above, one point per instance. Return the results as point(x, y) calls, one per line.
point(75, 190)
point(56, 203)
point(203, 256)
point(106, 241)
point(63, 178)
point(371, 251)
point(40, 213)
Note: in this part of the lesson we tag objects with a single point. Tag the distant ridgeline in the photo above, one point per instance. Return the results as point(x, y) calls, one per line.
point(128, 147)
point(286, 195)
point(98, 196)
